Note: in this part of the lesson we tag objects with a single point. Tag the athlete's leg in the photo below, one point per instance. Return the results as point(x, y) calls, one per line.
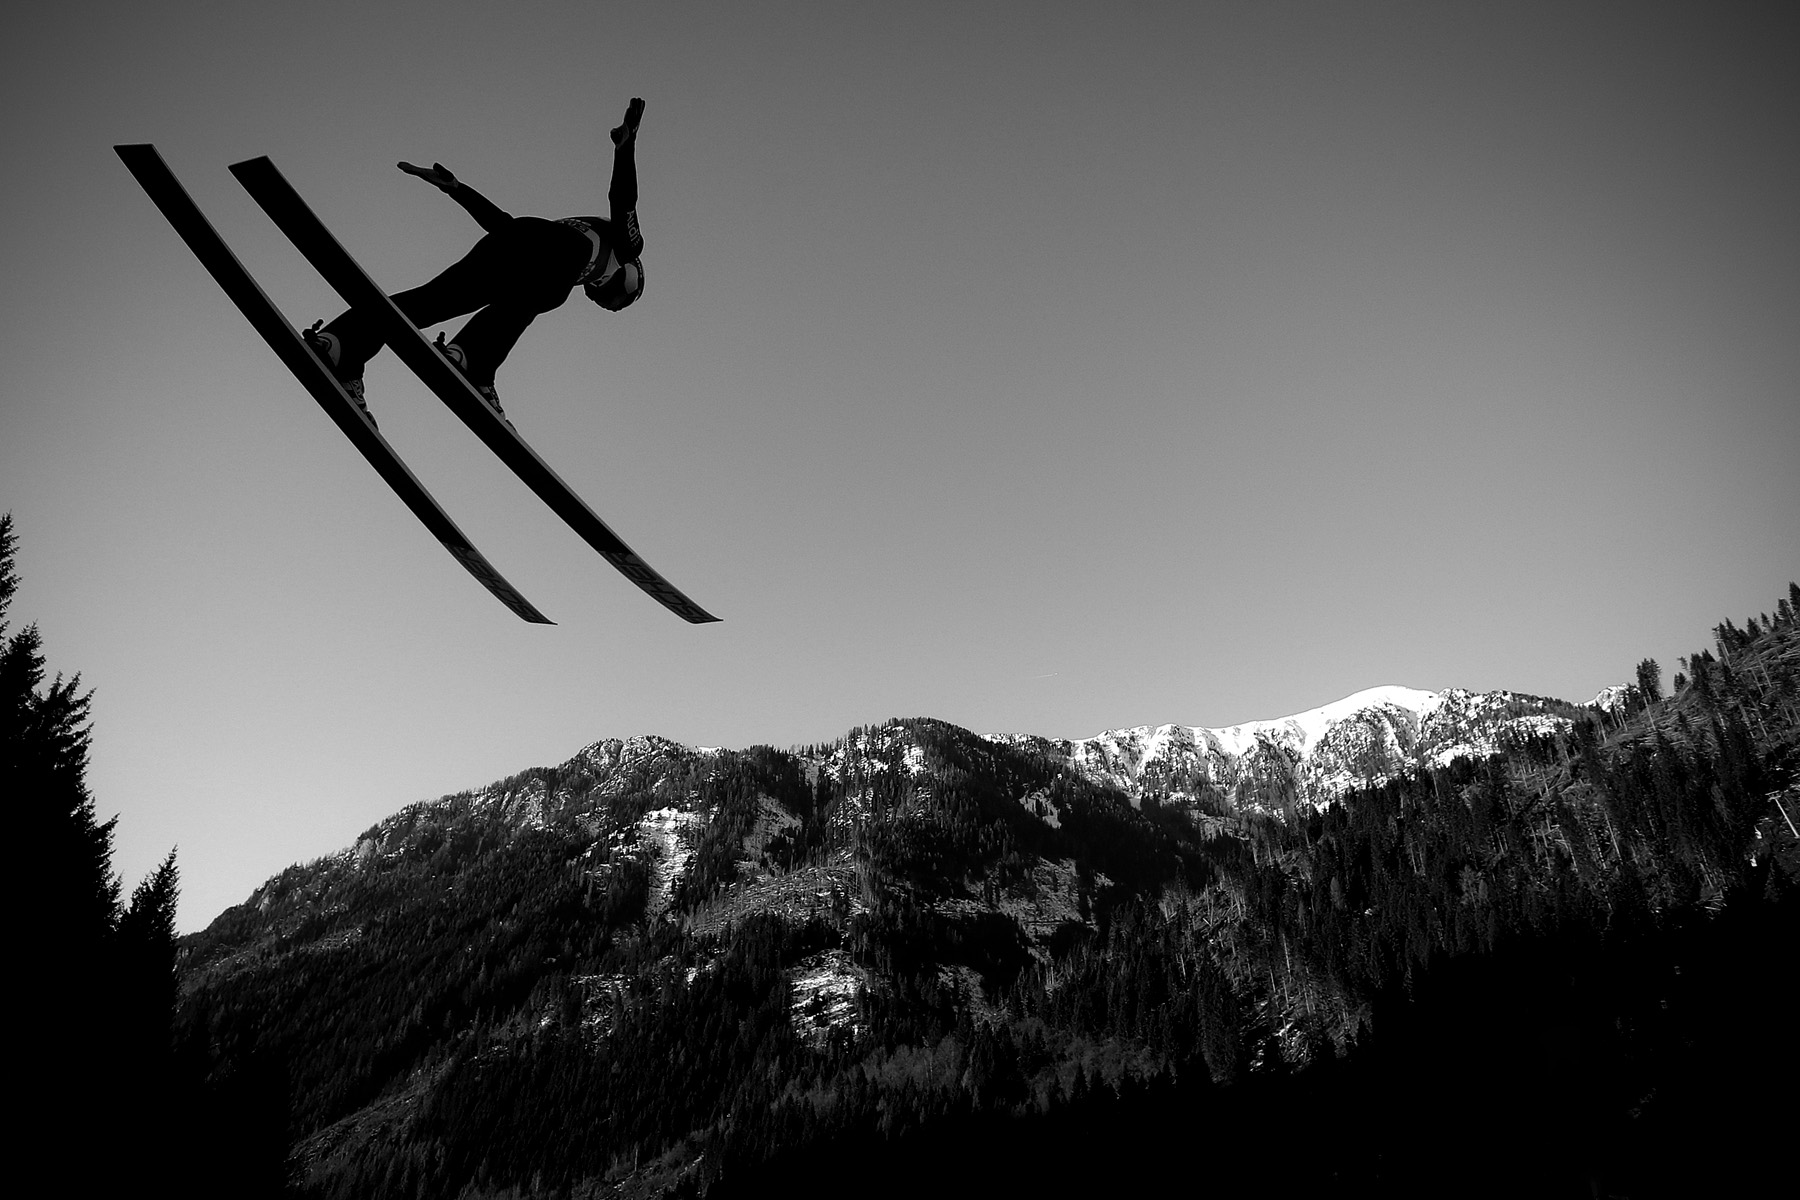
point(462, 287)
point(490, 336)
point(535, 274)
point(516, 272)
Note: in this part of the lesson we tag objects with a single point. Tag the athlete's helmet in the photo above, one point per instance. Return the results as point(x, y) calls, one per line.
point(618, 288)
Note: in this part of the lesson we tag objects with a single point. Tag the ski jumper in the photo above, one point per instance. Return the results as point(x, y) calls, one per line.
point(522, 267)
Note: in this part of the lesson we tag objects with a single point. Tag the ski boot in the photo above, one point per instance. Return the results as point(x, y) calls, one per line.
point(460, 360)
point(326, 346)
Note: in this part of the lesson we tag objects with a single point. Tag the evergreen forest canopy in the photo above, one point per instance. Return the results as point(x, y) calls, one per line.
point(918, 958)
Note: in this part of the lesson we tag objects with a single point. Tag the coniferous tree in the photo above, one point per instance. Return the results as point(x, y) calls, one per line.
point(43, 758)
point(146, 948)
point(68, 912)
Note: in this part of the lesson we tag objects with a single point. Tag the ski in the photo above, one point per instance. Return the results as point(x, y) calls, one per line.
point(289, 212)
point(166, 192)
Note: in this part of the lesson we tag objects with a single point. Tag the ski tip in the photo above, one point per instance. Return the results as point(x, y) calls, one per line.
point(135, 154)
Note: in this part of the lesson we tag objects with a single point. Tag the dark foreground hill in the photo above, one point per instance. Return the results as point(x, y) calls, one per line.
point(1464, 944)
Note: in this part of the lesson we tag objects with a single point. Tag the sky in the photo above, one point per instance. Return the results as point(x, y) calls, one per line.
point(1039, 367)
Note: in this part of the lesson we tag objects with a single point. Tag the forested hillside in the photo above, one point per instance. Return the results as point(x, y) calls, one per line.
point(919, 957)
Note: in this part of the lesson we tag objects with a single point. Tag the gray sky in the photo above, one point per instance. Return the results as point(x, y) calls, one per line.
point(1038, 367)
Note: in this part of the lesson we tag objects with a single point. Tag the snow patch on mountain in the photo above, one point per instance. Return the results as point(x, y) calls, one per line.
point(661, 833)
point(1610, 697)
point(823, 994)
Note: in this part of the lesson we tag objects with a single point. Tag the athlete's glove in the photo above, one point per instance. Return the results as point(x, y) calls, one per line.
point(437, 174)
point(634, 112)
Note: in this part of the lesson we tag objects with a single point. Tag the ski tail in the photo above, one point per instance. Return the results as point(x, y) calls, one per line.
point(291, 214)
point(148, 167)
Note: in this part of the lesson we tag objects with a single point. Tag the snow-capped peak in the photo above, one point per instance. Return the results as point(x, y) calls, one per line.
point(1300, 732)
point(1310, 756)
point(1306, 728)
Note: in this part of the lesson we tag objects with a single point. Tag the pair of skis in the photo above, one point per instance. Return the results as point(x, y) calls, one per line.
point(277, 198)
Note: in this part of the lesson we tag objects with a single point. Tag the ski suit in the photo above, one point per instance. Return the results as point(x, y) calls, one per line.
point(523, 266)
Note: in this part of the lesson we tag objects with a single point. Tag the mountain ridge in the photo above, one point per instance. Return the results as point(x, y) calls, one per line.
point(1454, 722)
point(1274, 766)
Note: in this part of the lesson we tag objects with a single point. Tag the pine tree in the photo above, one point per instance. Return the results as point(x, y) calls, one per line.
point(67, 919)
point(146, 945)
point(43, 762)
point(74, 901)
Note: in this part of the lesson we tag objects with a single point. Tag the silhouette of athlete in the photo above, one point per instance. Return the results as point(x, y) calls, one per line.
point(521, 267)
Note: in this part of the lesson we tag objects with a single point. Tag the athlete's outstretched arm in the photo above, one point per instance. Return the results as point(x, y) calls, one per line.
point(622, 196)
point(487, 214)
